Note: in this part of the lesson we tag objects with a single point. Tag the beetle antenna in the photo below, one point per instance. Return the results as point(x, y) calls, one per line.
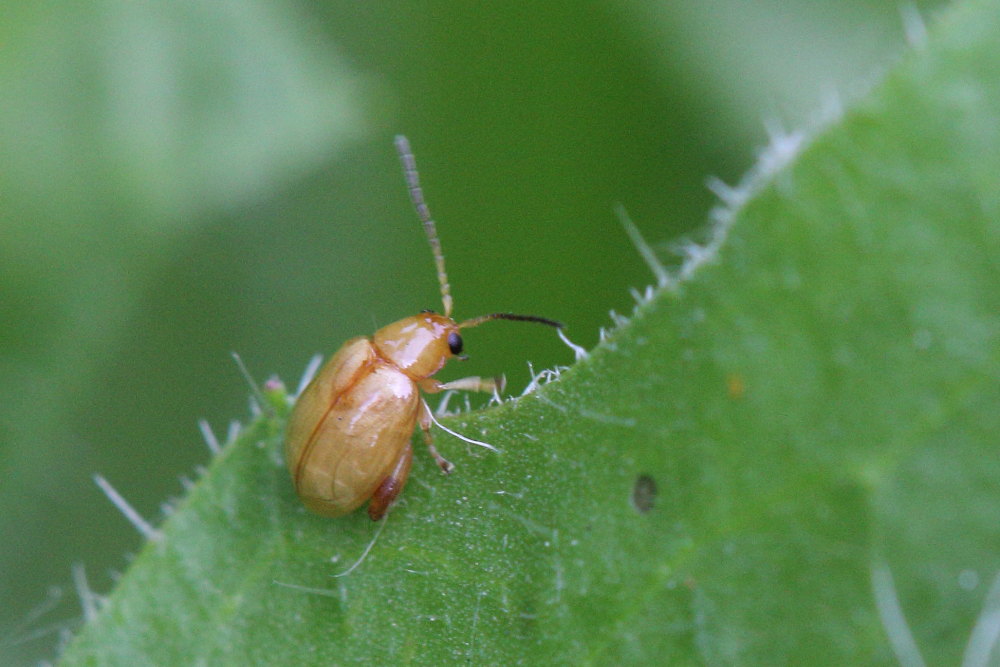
point(424, 213)
point(476, 321)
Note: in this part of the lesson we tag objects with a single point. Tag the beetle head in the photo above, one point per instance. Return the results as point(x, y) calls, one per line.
point(419, 345)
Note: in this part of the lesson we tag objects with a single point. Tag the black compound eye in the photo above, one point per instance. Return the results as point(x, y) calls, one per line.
point(455, 343)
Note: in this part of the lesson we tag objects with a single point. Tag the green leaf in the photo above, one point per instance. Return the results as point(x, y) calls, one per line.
point(786, 456)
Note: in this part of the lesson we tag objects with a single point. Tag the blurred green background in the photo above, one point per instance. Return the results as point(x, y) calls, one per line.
point(181, 180)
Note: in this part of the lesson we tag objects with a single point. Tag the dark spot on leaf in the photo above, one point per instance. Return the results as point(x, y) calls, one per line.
point(644, 493)
point(736, 385)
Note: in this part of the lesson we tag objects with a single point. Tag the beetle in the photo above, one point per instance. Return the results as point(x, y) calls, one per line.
point(348, 437)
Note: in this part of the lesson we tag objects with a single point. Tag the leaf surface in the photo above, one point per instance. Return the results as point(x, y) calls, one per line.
point(767, 460)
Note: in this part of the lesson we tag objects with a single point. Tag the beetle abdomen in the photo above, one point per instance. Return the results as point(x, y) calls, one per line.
point(359, 428)
point(341, 371)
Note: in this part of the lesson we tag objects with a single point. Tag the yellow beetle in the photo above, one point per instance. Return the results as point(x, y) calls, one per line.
point(348, 438)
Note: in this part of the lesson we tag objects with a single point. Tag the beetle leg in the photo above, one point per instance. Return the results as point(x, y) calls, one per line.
point(425, 426)
point(391, 486)
point(489, 385)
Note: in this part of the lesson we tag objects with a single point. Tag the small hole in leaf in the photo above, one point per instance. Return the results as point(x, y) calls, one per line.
point(644, 493)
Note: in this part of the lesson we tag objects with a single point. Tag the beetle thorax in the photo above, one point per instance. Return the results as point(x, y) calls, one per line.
point(416, 345)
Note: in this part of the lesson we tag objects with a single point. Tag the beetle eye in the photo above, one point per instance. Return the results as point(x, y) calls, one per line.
point(455, 343)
